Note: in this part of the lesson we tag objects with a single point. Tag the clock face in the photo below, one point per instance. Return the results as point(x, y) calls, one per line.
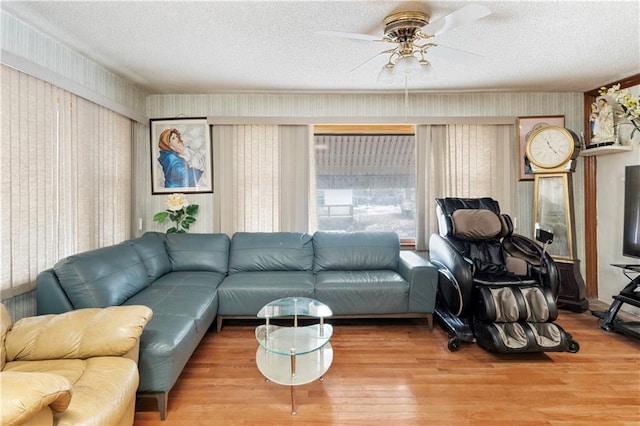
point(550, 147)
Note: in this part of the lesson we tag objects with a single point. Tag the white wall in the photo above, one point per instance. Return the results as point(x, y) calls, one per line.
point(610, 201)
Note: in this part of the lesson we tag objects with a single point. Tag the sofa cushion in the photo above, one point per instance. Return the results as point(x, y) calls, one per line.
point(198, 252)
point(188, 294)
point(245, 293)
point(103, 277)
point(26, 395)
point(363, 292)
point(355, 251)
point(270, 251)
point(152, 251)
point(184, 305)
point(101, 387)
point(81, 333)
point(165, 347)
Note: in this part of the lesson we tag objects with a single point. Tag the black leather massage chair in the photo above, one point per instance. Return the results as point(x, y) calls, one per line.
point(495, 288)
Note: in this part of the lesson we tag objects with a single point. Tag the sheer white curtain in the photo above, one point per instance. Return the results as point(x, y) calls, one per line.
point(261, 178)
point(65, 173)
point(461, 161)
point(296, 197)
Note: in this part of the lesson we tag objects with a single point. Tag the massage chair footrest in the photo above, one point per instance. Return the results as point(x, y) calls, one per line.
point(522, 336)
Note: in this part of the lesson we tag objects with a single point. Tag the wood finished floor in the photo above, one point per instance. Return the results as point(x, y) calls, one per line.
point(396, 372)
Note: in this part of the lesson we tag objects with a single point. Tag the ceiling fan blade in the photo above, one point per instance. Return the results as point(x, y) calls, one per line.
point(464, 15)
point(371, 59)
point(355, 36)
point(454, 55)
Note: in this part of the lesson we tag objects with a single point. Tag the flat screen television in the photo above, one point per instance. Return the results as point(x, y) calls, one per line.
point(631, 228)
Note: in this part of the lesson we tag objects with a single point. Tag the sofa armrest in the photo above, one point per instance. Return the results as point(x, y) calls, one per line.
point(83, 333)
point(422, 277)
point(51, 298)
point(26, 395)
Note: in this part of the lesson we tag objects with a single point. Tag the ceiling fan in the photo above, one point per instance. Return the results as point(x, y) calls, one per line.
point(413, 35)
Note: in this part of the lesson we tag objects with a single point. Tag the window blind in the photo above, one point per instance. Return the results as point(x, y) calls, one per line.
point(65, 170)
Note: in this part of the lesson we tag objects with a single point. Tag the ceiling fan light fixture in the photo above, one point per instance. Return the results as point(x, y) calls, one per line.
point(412, 33)
point(407, 65)
point(386, 74)
point(426, 71)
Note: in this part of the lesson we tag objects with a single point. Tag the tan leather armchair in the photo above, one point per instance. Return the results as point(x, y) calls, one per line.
point(75, 368)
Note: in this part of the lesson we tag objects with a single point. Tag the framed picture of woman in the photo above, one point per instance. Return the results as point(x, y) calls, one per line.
point(181, 156)
point(525, 126)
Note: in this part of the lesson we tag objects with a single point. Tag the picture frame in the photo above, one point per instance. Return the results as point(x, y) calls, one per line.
point(526, 125)
point(181, 156)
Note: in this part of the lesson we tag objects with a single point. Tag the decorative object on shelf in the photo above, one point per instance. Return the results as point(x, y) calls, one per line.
point(525, 126)
point(178, 211)
point(181, 156)
point(629, 107)
point(601, 123)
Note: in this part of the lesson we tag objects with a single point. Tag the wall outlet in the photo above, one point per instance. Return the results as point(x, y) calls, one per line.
point(139, 224)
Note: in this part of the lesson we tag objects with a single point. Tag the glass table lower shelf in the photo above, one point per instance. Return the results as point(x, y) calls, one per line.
point(294, 370)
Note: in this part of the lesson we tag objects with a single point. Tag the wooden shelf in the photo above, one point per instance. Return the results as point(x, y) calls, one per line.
point(602, 150)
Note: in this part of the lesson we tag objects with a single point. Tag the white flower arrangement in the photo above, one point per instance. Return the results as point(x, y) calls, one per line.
point(178, 211)
point(629, 105)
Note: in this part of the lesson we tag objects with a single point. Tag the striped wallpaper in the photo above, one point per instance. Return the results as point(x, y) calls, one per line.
point(376, 108)
point(29, 50)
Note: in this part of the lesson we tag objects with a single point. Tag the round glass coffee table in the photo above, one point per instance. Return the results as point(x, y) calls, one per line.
point(295, 355)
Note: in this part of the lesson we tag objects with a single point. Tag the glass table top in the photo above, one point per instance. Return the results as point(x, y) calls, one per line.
point(289, 306)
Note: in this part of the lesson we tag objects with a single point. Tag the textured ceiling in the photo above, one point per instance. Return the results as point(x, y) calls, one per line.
point(272, 46)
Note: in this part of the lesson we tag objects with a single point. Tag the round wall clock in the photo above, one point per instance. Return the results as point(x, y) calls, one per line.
point(551, 146)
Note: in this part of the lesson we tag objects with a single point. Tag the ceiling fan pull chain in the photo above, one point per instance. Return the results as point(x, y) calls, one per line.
point(406, 97)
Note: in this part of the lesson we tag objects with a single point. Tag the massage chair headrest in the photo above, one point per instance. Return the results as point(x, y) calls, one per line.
point(472, 219)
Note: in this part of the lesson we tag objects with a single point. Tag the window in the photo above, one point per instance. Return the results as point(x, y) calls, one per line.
point(365, 179)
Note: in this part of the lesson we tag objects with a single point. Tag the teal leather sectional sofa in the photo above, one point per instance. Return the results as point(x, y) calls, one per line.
point(190, 279)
